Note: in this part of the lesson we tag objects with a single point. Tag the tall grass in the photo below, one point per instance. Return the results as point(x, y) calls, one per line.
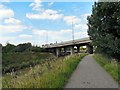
point(110, 65)
point(50, 74)
point(16, 61)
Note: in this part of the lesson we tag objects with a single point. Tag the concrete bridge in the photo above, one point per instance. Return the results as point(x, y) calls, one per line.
point(69, 46)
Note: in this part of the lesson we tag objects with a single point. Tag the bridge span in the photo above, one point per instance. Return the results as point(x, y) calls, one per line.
point(69, 46)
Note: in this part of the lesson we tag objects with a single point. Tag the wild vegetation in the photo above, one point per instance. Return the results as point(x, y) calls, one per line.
point(52, 73)
point(104, 28)
point(16, 61)
point(25, 47)
point(110, 65)
point(21, 56)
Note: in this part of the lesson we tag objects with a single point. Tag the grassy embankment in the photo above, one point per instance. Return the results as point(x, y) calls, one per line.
point(110, 65)
point(50, 74)
point(16, 61)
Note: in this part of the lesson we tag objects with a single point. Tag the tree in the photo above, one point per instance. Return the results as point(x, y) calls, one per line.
point(104, 28)
point(8, 48)
point(22, 47)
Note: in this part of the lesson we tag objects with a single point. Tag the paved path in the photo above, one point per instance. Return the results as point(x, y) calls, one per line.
point(89, 74)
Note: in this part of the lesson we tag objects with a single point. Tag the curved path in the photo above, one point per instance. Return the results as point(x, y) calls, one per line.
point(89, 74)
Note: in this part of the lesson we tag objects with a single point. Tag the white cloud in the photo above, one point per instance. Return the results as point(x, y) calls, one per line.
point(12, 21)
point(60, 35)
point(47, 14)
point(36, 5)
point(2, 6)
point(25, 36)
point(84, 17)
point(8, 23)
point(50, 4)
point(43, 13)
point(71, 19)
point(80, 30)
point(5, 12)
point(5, 39)
point(53, 36)
point(81, 26)
point(81, 34)
point(11, 28)
point(51, 32)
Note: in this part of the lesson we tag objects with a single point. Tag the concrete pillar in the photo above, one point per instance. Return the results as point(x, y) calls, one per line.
point(71, 50)
point(89, 48)
point(78, 49)
point(57, 52)
point(65, 49)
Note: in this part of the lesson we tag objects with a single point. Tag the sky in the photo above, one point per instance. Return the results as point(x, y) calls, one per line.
point(41, 22)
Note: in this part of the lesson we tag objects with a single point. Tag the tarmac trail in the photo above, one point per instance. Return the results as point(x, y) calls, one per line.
point(89, 74)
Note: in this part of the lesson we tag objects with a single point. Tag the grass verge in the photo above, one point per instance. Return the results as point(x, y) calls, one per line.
point(110, 65)
point(50, 74)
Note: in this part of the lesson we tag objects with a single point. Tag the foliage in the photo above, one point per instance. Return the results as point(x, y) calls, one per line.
point(8, 48)
point(111, 66)
point(35, 49)
point(82, 48)
point(16, 61)
point(104, 28)
point(25, 47)
point(49, 74)
point(22, 47)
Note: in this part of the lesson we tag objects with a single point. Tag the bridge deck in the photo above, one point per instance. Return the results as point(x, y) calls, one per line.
point(68, 43)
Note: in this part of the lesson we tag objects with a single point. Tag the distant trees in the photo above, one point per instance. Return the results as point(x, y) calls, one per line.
point(22, 47)
point(8, 48)
point(104, 28)
point(25, 47)
point(36, 49)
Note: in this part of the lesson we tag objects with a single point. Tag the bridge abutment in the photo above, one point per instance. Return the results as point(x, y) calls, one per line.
point(78, 49)
point(89, 48)
point(65, 50)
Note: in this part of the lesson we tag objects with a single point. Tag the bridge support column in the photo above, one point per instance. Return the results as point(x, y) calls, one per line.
point(78, 49)
point(57, 52)
point(71, 50)
point(65, 50)
point(89, 48)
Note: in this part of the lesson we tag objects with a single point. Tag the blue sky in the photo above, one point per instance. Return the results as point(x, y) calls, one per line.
point(22, 22)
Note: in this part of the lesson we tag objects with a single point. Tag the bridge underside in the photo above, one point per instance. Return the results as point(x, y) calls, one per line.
point(65, 50)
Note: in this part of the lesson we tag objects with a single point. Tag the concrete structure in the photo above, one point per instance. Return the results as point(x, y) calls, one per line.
point(68, 46)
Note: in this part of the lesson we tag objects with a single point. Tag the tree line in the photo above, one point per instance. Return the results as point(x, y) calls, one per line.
point(104, 28)
point(25, 47)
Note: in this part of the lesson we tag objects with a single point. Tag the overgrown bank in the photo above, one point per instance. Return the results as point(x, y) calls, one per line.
point(110, 65)
point(15, 61)
point(50, 74)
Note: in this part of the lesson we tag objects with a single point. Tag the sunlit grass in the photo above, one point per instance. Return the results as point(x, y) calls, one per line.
point(49, 74)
